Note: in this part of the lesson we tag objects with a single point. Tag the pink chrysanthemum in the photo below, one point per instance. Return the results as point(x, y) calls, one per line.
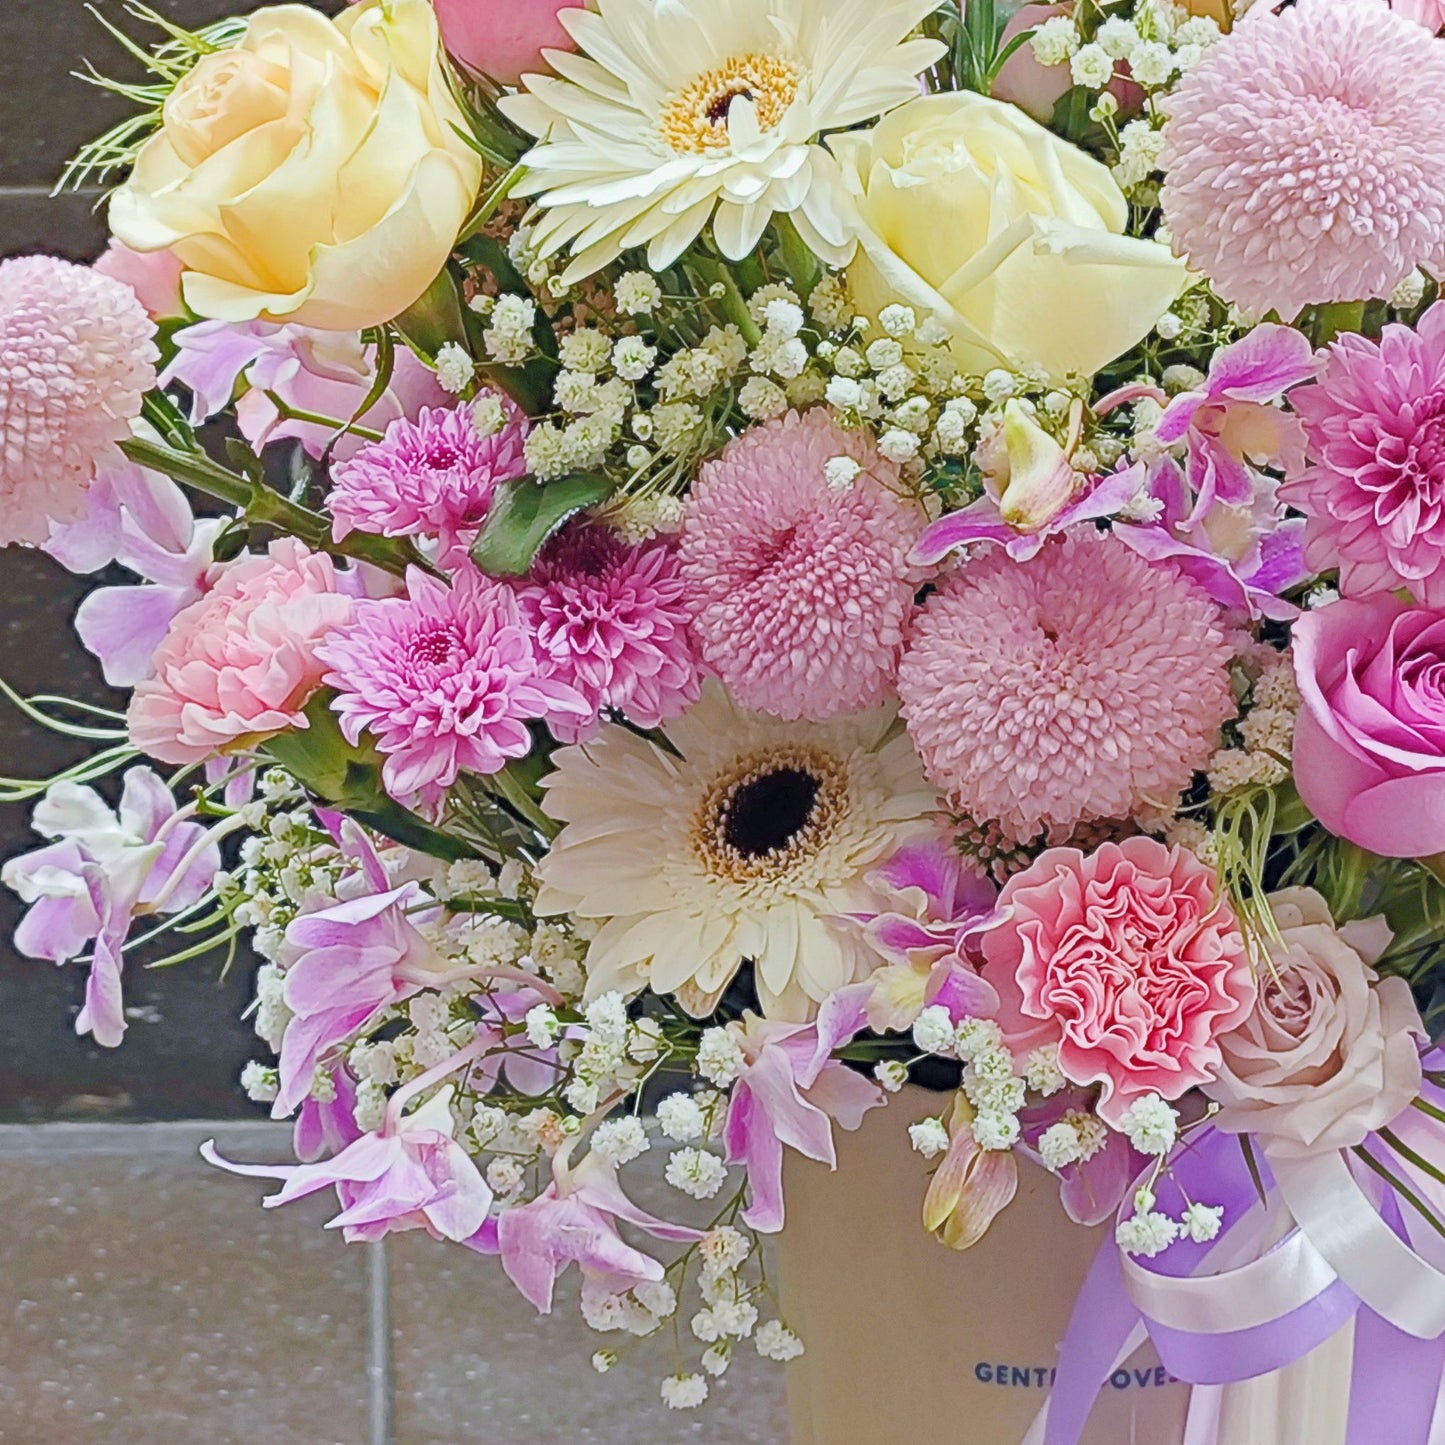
point(1375, 490)
point(1084, 684)
point(78, 354)
point(800, 588)
point(433, 477)
point(445, 679)
point(1304, 159)
point(610, 620)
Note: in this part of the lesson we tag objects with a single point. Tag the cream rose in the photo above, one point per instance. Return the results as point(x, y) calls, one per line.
point(1013, 238)
point(312, 173)
point(1330, 1051)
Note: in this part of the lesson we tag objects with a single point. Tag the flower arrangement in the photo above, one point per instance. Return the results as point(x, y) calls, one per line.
point(766, 550)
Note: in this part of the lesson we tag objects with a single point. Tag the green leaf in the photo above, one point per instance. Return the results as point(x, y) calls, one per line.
point(525, 513)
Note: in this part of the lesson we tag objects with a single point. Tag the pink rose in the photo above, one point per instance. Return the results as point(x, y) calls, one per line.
point(1022, 81)
point(1126, 960)
point(154, 276)
point(503, 40)
point(1369, 744)
point(240, 663)
point(1329, 1053)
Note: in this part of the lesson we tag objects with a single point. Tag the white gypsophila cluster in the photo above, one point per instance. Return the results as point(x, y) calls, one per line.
point(891, 1075)
point(720, 1056)
point(620, 1141)
point(698, 1173)
point(455, 369)
point(684, 1392)
point(508, 338)
point(260, 1083)
point(1149, 1231)
point(928, 1137)
point(1075, 1139)
point(1141, 144)
point(1150, 1125)
point(933, 1031)
point(637, 293)
point(1410, 292)
point(1041, 1070)
point(681, 1119)
point(1197, 837)
point(775, 1341)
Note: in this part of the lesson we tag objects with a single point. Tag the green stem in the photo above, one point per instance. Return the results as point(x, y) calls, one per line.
point(734, 306)
point(799, 262)
point(263, 507)
point(1336, 317)
point(314, 418)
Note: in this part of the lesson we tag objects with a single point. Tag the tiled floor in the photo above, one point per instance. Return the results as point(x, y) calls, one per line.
point(144, 1297)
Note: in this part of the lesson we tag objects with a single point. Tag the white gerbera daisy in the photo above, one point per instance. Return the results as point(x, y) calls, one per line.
point(747, 842)
point(681, 108)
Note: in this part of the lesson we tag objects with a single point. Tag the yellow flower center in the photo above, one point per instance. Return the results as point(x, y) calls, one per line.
point(768, 811)
point(695, 118)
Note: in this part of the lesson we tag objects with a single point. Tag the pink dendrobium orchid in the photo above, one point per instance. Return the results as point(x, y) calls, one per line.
point(1243, 557)
point(574, 1221)
point(939, 907)
point(103, 868)
point(1235, 420)
point(143, 521)
point(1091, 1189)
point(326, 1126)
point(982, 521)
point(412, 1174)
point(348, 962)
point(324, 373)
point(790, 1092)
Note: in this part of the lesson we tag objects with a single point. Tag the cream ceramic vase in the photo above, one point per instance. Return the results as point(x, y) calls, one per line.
point(909, 1341)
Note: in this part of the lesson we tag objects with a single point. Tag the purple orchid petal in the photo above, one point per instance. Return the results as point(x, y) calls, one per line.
point(978, 522)
point(1262, 365)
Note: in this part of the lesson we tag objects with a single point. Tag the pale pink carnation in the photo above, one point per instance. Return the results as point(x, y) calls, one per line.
point(241, 662)
point(1126, 960)
point(433, 477)
point(77, 353)
point(1304, 157)
point(1083, 684)
point(800, 589)
point(610, 619)
point(445, 679)
point(1374, 491)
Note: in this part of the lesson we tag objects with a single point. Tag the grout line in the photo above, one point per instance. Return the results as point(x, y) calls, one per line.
point(381, 1384)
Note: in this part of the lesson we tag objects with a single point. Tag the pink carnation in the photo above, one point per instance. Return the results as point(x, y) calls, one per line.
point(1083, 684)
point(1127, 961)
point(1375, 490)
point(800, 589)
point(78, 354)
point(611, 622)
point(445, 679)
point(240, 663)
point(433, 477)
point(1304, 160)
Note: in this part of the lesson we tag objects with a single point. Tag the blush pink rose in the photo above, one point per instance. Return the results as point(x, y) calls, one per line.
point(1021, 80)
point(1125, 959)
point(240, 663)
point(1369, 743)
point(503, 40)
point(1329, 1053)
point(154, 276)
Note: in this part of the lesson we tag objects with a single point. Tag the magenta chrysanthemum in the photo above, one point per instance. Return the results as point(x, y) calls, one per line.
point(1374, 491)
point(445, 679)
point(1304, 159)
point(800, 587)
point(433, 477)
point(77, 353)
point(610, 621)
point(1084, 684)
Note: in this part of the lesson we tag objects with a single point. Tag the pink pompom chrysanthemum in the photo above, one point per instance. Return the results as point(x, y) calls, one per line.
point(799, 584)
point(1085, 684)
point(1374, 492)
point(445, 679)
point(1303, 157)
point(433, 477)
point(78, 354)
point(610, 620)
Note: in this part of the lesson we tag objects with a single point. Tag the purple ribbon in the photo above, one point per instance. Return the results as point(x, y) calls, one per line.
point(1396, 1376)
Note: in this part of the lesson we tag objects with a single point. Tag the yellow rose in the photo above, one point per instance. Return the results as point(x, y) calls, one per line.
point(969, 210)
point(312, 173)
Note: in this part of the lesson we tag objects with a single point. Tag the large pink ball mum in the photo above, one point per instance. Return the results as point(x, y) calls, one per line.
point(799, 588)
point(1374, 491)
point(240, 663)
point(1304, 159)
point(1083, 684)
point(1127, 961)
point(77, 353)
